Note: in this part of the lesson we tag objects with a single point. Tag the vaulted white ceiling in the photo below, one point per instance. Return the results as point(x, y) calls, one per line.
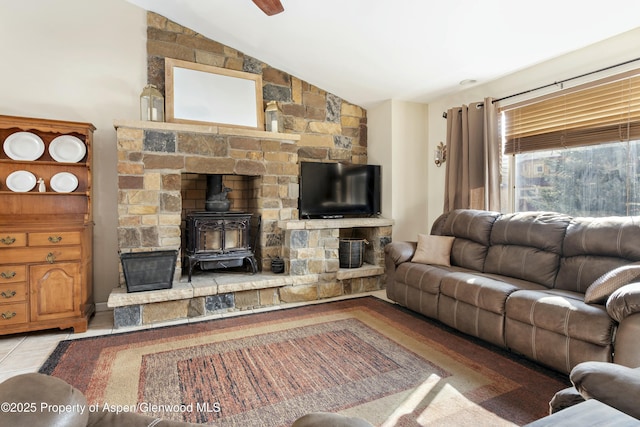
point(367, 51)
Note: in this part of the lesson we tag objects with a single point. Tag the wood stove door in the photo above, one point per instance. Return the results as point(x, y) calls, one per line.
point(221, 235)
point(236, 235)
point(208, 235)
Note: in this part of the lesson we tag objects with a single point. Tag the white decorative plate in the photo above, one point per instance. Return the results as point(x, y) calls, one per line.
point(23, 146)
point(63, 182)
point(67, 148)
point(21, 181)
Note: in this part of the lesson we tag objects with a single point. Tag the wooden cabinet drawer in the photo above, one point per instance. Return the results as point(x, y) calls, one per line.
point(12, 240)
point(12, 293)
point(55, 239)
point(12, 273)
point(41, 255)
point(11, 314)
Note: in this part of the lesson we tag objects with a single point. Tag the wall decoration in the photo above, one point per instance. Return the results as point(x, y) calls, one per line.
point(204, 94)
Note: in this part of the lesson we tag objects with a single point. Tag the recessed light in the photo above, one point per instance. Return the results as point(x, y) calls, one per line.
point(466, 82)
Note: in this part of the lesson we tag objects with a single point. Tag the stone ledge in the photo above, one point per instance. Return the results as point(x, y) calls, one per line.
point(208, 129)
point(210, 284)
point(367, 270)
point(322, 224)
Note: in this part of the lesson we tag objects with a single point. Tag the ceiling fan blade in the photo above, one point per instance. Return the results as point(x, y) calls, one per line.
point(270, 7)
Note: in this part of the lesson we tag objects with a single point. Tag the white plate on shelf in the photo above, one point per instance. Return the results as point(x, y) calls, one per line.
point(23, 146)
point(67, 149)
point(63, 182)
point(21, 181)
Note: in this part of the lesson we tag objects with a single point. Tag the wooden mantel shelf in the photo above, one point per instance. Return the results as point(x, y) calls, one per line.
point(208, 129)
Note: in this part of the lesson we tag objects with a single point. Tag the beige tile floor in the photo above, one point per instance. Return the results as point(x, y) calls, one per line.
point(22, 353)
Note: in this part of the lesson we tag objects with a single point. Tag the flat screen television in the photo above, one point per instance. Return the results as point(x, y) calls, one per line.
point(337, 190)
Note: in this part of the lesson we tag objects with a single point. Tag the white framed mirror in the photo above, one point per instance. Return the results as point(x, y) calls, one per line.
point(204, 94)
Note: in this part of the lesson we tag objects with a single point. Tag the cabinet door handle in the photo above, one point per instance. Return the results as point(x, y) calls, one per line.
point(51, 258)
point(55, 239)
point(8, 240)
point(8, 315)
point(8, 274)
point(8, 294)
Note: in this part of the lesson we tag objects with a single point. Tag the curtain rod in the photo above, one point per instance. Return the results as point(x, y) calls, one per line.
point(561, 82)
point(566, 80)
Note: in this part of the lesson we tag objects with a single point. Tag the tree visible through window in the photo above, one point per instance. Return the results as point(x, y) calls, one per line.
point(595, 180)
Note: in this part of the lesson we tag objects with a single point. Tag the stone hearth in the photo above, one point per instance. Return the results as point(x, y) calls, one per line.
point(153, 160)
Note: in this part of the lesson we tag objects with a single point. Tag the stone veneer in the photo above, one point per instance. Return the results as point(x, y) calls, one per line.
point(152, 160)
point(156, 159)
point(330, 128)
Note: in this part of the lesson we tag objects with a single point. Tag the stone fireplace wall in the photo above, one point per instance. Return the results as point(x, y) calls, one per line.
point(155, 161)
point(331, 128)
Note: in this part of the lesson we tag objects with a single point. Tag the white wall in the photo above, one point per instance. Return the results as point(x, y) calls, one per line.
point(83, 61)
point(379, 136)
point(398, 141)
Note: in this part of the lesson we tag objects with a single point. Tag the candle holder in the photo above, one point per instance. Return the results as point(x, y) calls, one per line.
point(440, 154)
point(274, 120)
point(151, 104)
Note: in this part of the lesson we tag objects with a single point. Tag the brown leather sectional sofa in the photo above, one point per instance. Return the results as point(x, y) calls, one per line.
point(519, 281)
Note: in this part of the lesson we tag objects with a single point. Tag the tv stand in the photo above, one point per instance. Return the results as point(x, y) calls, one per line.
point(311, 246)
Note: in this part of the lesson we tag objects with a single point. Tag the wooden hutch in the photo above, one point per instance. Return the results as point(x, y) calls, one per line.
point(46, 229)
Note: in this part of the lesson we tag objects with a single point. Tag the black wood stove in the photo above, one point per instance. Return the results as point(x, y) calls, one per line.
point(219, 240)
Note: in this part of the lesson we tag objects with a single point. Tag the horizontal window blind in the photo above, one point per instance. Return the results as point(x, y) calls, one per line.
point(597, 114)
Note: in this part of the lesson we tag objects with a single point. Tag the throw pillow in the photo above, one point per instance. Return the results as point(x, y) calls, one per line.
point(433, 249)
point(605, 285)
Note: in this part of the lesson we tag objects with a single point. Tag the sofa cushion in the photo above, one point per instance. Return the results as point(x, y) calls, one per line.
point(577, 273)
point(523, 262)
point(425, 277)
point(541, 230)
point(594, 246)
point(477, 290)
point(605, 285)
point(472, 230)
point(417, 286)
point(433, 250)
point(562, 312)
point(527, 246)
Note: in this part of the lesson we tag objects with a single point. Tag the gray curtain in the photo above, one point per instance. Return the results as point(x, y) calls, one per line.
point(473, 158)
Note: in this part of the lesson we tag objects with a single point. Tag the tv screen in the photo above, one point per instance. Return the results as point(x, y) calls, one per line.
point(336, 190)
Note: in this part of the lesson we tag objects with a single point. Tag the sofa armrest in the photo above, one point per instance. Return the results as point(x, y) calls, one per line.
point(624, 307)
point(395, 253)
point(564, 399)
point(131, 419)
point(35, 394)
point(624, 302)
point(612, 384)
point(399, 252)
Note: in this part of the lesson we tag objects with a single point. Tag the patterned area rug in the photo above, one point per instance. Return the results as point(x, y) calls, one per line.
point(361, 357)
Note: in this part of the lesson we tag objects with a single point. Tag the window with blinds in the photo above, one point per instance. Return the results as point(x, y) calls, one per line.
point(598, 114)
point(577, 151)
